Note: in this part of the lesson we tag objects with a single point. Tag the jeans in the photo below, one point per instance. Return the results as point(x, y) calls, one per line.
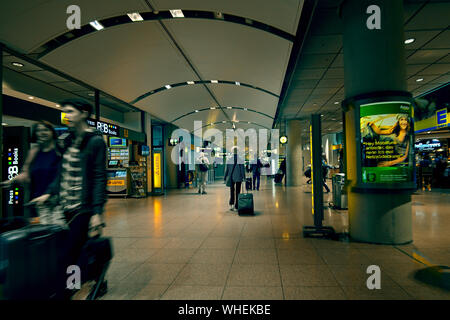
point(256, 177)
point(235, 189)
point(202, 177)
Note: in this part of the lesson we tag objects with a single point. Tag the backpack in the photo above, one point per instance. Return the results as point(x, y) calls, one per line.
point(203, 167)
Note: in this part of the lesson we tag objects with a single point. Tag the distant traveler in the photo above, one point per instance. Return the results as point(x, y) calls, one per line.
point(80, 186)
point(256, 173)
point(325, 168)
point(234, 175)
point(202, 172)
point(40, 168)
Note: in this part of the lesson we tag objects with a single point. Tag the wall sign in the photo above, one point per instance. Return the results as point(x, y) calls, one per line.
point(387, 153)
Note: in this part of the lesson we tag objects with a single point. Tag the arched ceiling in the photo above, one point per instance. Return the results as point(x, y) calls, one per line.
point(129, 60)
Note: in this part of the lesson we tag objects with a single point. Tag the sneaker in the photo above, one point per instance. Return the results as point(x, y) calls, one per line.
point(199, 191)
point(231, 207)
point(204, 192)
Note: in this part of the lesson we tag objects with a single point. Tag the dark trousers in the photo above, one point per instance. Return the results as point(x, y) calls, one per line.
point(78, 234)
point(235, 190)
point(325, 185)
point(256, 180)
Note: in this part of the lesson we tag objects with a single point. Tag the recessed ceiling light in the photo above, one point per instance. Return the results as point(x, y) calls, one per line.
point(245, 109)
point(214, 81)
point(30, 97)
point(224, 121)
point(337, 102)
point(238, 83)
point(17, 64)
point(408, 41)
point(196, 110)
point(213, 108)
point(90, 94)
point(135, 16)
point(177, 13)
point(58, 105)
point(229, 107)
point(168, 86)
point(419, 80)
point(321, 115)
point(249, 122)
point(4, 124)
point(97, 25)
point(190, 82)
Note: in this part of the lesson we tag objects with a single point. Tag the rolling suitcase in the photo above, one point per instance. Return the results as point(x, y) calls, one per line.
point(245, 204)
point(32, 263)
point(94, 262)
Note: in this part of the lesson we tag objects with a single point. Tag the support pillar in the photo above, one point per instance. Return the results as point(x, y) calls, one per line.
point(374, 66)
point(1, 127)
point(294, 152)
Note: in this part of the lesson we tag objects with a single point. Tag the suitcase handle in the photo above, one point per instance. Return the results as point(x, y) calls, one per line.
point(40, 237)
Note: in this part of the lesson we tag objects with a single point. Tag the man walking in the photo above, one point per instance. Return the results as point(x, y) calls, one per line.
point(202, 172)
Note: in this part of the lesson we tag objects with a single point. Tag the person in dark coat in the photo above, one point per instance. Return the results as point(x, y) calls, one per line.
point(234, 175)
point(256, 173)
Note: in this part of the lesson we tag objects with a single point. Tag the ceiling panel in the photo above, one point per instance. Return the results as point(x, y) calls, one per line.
point(421, 38)
point(45, 76)
point(323, 44)
point(132, 60)
point(427, 56)
point(280, 14)
point(227, 51)
point(171, 104)
point(8, 60)
point(440, 42)
point(239, 96)
point(315, 60)
point(245, 116)
point(206, 117)
point(433, 16)
point(19, 19)
point(308, 74)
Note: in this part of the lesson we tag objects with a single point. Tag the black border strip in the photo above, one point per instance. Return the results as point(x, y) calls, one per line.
point(86, 29)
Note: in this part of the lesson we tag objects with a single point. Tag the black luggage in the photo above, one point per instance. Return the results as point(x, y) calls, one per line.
point(14, 223)
point(245, 204)
point(94, 262)
point(32, 263)
point(278, 177)
point(248, 183)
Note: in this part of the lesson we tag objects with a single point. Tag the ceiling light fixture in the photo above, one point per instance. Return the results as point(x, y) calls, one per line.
point(214, 81)
point(419, 80)
point(90, 94)
point(96, 25)
point(224, 121)
point(177, 13)
point(17, 64)
point(30, 97)
point(4, 124)
point(190, 82)
point(238, 83)
point(196, 110)
point(135, 16)
point(58, 105)
point(245, 109)
point(168, 86)
point(408, 41)
point(229, 107)
point(337, 102)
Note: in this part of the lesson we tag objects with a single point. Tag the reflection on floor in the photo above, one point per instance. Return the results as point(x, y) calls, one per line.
point(188, 246)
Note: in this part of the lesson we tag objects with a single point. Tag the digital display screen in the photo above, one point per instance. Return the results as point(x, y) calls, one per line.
point(117, 142)
point(113, 163)
point(387, 147)
point(145, 150)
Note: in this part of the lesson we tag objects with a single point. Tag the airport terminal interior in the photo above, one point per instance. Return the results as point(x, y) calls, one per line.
point(338, 110)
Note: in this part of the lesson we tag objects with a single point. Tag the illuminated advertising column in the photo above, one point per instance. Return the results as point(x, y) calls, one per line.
point(15, 148)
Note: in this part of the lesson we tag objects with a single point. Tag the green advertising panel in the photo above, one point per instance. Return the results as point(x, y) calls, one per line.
point(387, 148)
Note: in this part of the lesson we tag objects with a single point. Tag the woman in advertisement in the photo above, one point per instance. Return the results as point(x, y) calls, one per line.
point(398, 133)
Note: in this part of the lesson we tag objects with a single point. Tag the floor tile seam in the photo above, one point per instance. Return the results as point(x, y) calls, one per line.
point(278, 260)
point(232, 262)
point(337, 281)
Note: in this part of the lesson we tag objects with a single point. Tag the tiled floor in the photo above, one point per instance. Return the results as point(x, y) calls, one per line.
point(188, 246)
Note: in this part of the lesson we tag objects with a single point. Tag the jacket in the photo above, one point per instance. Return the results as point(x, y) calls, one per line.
point(93, 166)
point(256, 167)
point(238, 175)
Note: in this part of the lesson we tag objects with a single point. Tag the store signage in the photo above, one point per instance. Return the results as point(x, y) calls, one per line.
point(441, 118)
point(157, 169)
point(428, 145)
point(64, 119)
point(387, 154)
point(113, 183)
point(104, 127)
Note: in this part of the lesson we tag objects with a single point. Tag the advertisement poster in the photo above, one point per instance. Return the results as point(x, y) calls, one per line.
point(387, 147)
